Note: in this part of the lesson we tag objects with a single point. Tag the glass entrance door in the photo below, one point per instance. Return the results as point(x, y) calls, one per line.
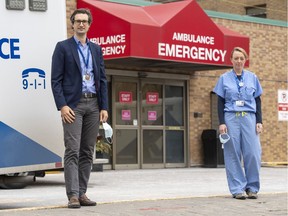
point(149, 123)
point(152, 125)
point(162, 125)
point(126, 142)
point(174, 125)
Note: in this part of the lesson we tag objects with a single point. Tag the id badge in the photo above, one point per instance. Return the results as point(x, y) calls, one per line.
point(239, 103)
point(86, 78)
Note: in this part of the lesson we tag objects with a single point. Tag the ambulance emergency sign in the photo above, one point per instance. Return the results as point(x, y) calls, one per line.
point(283, 105)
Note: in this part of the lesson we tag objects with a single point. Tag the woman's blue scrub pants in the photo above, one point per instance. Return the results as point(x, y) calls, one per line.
point(244, 144)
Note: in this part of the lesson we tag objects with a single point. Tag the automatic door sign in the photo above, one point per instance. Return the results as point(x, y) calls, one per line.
point(283, 105)
point(33, 78)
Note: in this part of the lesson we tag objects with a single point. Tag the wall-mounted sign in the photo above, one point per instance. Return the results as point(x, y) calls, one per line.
point(283, 105)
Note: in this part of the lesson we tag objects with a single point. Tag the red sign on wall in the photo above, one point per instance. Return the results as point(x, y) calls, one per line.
point(125, 97)
point(152, 98)
point(283, 105)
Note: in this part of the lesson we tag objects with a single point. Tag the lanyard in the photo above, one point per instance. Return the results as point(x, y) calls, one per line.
point(86, 61)
point(239, 82)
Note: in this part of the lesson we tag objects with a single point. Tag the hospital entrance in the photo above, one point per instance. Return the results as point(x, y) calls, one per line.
point(149, 119)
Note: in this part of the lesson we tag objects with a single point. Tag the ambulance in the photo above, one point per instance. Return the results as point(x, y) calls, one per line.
point(31, 134)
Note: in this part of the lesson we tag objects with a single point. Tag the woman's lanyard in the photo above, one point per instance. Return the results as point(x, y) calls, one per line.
point(239, 82)
point(86, 61)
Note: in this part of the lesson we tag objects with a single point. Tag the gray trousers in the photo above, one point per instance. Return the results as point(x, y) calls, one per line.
point(80, 139)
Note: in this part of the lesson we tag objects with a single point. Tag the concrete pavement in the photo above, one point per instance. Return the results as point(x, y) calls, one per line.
point(182, 191)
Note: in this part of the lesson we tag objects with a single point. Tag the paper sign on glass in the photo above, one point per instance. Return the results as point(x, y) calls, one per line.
point(152, 115)
point(152, 97)
point(126, 115)
point(125, 97)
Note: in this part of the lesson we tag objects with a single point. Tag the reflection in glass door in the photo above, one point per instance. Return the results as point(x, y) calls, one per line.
point(174, 121)
point(153, 147)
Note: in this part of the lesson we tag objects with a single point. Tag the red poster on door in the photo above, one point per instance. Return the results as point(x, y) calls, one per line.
point(125, 97)
point(152, 115)
point(152, 98)
point(126, 115)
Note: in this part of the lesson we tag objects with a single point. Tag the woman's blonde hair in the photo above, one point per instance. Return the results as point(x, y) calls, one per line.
point(239, 49)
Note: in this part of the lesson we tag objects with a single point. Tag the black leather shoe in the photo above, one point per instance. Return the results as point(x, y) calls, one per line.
point(84, 201)
point(74, 202)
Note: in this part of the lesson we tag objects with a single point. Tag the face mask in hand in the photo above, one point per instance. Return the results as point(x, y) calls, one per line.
point(224, 138)
point(108, 131)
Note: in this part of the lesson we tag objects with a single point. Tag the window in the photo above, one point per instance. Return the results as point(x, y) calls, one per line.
point(257, 11)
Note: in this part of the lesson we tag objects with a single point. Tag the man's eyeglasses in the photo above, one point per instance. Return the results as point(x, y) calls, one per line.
point(81, 21)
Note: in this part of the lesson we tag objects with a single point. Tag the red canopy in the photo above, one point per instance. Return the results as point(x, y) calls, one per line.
point(177, 35)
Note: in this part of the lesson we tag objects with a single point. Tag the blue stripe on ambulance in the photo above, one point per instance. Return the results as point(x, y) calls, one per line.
point(17, 149)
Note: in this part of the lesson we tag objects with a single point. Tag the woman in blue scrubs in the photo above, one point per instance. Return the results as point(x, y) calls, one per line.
point(240, 115)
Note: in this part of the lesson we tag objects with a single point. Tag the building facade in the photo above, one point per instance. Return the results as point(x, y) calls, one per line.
point(270, 9)
point(268, 60)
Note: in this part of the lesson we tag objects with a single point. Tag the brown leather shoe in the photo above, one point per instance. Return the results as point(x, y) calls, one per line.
point(74, 202)
point(84, 201)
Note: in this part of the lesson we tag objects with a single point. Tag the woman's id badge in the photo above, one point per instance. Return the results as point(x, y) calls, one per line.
point(239, 103)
